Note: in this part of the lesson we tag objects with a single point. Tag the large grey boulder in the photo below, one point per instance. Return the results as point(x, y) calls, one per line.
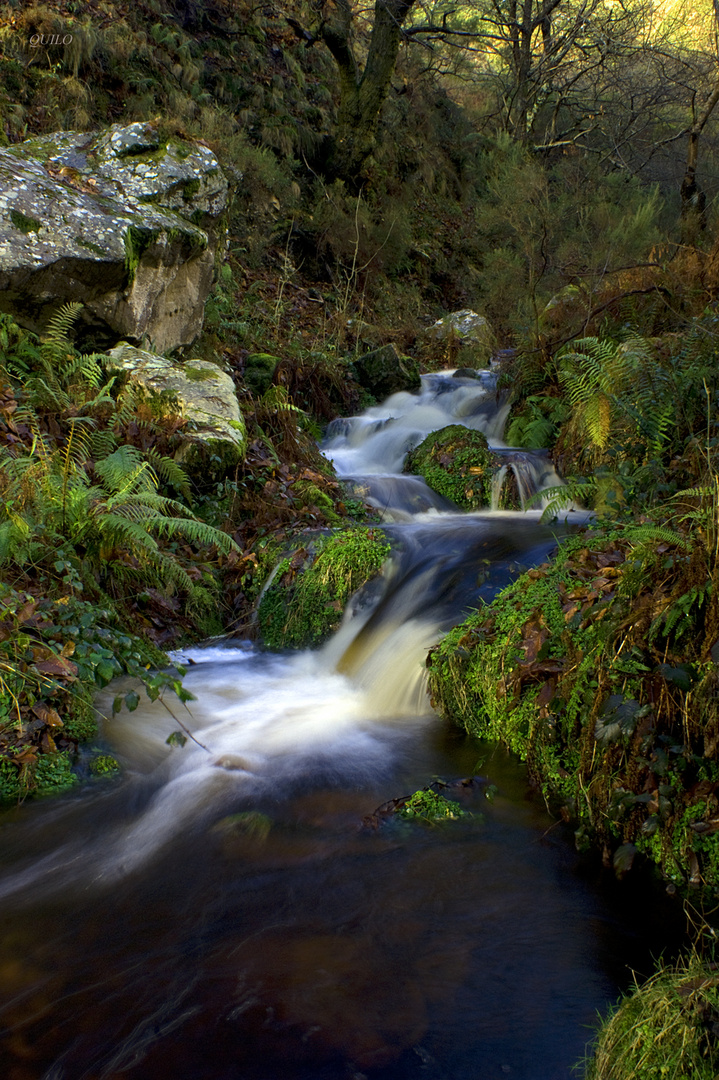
point(122, 221)
point(470, 334)
point(385, 371)
point(214, 437)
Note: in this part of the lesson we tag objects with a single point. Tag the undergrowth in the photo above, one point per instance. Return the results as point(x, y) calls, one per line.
point(665, 1028)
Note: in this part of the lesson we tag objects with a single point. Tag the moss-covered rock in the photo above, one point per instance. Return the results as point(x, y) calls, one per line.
point(457, 463)
point(258, 371)
point(213, 440)
point(122, 221)
point(594, 674)
point(304, 603)
point(385, 371)
point(464, 337)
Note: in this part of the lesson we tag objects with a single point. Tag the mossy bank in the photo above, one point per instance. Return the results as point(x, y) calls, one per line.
point(596, 669)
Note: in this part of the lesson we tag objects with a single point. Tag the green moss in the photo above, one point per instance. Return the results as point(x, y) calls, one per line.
point(305, 601)
point(137, 241)
point(190, 189)
point(457, 463)
point(196, 374)
point(104, 765)
point(310, 495)
point(663, 1029)
point(258, 372)
point(24, 223)
point(89, 245)
point(560, 669)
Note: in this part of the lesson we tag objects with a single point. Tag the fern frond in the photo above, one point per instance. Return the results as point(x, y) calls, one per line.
point(195, 532)
point(126, 471)
point(102, 444)
point(643, 534)
point(168, 471)
point(61, 323)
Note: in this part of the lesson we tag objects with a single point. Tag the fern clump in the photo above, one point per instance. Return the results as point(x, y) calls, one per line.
point(617, 390)
point(83, 505)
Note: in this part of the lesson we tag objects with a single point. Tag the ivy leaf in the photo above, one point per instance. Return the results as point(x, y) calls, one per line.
point(618, 719)
point(623, 859)
point(682, 675)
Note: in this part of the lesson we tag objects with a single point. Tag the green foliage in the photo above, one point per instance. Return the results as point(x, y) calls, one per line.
point(564, 667)
point(430, 807)
point(663, 1028)
point(89, 509)
point(456, 462)
point(308, 593)
point(53, 376)
point(80, 721)
point(538, 423)
point(50, 774)
point(607, 383)
point(542, 226)
point(104, 765)
point(103, 531)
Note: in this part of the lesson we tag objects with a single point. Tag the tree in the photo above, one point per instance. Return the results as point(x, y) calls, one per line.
point(363, 85)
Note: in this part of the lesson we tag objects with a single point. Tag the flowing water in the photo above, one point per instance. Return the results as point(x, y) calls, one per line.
point(225, 912)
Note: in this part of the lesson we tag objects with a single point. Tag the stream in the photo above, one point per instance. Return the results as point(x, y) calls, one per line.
point(230, 910)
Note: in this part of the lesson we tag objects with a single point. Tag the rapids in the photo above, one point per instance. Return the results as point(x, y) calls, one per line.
point(222, 913)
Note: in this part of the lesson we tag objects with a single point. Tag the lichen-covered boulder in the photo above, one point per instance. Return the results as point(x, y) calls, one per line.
point(457, 463)
point(385, 371)
point(123, 221)
point(214, 438)
point(468, 335)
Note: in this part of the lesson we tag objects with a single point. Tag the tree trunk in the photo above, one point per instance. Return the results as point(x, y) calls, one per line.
point(362, 93)
point(693, 210)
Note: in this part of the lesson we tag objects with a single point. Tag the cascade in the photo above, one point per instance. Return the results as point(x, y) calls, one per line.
point(222, 914)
